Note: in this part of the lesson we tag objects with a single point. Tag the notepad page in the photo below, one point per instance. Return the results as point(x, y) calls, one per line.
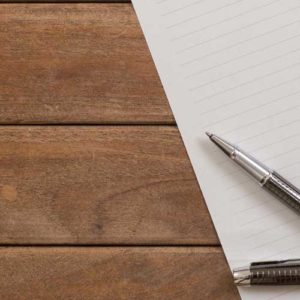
point(232, 67)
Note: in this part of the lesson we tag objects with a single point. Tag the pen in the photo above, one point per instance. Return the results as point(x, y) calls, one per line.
point(284, 272)
point(269, 179)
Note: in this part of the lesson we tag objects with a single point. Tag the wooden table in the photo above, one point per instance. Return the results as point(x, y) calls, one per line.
point(98, 199)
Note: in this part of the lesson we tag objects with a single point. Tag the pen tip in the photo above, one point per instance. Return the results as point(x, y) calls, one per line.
point(209, 134)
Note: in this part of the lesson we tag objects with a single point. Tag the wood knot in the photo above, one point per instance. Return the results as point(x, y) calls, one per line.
point(8, 193)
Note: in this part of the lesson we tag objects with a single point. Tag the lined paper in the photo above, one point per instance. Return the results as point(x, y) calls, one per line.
point(232, 67)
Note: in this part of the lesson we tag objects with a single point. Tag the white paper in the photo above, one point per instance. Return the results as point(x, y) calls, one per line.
point(232, 67)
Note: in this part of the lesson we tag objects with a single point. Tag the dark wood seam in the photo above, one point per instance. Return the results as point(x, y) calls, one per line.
point(53, 245)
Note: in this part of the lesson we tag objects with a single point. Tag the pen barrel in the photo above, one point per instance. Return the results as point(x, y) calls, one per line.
point(275, 276)
point(284, 190)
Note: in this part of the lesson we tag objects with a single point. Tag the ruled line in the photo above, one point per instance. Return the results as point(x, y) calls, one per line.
point(241, 56)
point(283, 251)
point(230, 117)
point(215, 150)
point(243, 84)
point(182, 8)
point(239, 43)
point(275, 240)
point(246, 69)
point(292, 289)
point(205, 14)
point(161, 1)
point(233, 31)
point(256, 234)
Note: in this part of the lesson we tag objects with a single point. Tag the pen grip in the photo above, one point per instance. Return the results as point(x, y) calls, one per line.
point(284, 190)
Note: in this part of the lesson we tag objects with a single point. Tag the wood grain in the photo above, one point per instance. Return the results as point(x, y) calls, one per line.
point(95, 185)
point(77, 63)
point(65, 1)
point(115, 273)
point(99, 185)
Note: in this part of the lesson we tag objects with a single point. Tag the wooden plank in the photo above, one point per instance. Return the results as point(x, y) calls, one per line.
point(65, 1)
point(115, 273)
point(77, 63)
point(99, 185)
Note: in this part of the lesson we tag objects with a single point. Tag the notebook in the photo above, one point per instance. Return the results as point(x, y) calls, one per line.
point(232, 67)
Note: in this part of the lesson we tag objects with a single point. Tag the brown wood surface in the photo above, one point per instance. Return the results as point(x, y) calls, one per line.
point(132, 185)
point(77, 63)
point(126, 193)
point(65, 1)
point(115, 273)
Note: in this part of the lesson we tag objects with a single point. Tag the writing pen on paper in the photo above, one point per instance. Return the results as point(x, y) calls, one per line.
point(268, 179)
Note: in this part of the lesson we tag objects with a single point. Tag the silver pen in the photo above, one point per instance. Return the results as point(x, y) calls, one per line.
point(268, 179)
point(284, 272)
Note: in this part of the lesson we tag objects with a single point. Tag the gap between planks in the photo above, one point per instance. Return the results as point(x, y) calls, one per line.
point(119, 246)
